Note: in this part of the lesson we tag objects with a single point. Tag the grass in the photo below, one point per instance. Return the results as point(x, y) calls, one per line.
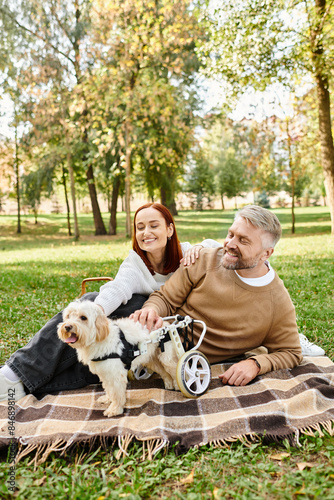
point(41, 271)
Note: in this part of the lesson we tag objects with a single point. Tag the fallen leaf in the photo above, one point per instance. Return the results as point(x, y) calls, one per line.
point(301, 491)
point(216, 493)
point(40, 482)
point(189, 479)
point(304, 465)
point(114, 470)
point(279, 456)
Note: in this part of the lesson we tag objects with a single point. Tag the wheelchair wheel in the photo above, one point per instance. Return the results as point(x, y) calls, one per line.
point(193, 374)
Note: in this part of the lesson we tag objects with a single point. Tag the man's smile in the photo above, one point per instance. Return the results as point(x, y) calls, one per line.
point(231, 253)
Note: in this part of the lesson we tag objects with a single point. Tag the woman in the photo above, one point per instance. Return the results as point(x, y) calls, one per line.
point(46, 364)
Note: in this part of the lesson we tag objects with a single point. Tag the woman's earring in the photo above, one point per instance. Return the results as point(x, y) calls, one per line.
point(169, 238)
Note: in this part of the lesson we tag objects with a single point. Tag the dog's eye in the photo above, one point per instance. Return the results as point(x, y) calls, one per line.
point(83, 318)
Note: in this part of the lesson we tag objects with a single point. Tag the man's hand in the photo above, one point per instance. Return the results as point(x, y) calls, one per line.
point(240, 373)
point(147, 317)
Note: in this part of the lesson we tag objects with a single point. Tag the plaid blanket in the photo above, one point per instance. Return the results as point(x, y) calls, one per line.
point(276, 405)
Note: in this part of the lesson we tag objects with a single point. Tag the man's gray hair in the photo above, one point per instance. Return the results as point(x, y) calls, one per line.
point(264, 219)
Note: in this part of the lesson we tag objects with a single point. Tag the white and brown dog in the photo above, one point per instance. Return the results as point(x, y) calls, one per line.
point(107, 346)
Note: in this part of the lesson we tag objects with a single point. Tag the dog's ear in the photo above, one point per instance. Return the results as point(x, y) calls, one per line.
point(102, 327)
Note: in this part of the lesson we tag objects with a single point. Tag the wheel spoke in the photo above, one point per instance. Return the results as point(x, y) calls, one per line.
point(196, 374)
point(199, 385)
point(191, 380)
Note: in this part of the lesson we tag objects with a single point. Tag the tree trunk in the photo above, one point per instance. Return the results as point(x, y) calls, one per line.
point(223, 204)
point(17, 183)
point(67, 203)
point(128, 226)
point(113, 207)
point(75, 216)
point(324, 114)
point(168, 200)
point(326, 141)
point(72, 181)
point(98, 221)
point(293, 226)
point(292, 173)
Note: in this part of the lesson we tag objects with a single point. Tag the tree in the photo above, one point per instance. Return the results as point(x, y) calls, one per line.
point(231, 175)
point(295, 178)
point(200, 181)
point(165, 134)
point(226, 147)
point(151, 44)
point(56, 34)
point(7, 177)
point(34, 184)
point(255, 43)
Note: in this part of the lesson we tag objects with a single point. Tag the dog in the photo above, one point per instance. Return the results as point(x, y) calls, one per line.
point(101, 343)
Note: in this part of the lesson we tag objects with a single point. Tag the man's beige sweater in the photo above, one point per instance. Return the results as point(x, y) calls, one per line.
point(239, 317)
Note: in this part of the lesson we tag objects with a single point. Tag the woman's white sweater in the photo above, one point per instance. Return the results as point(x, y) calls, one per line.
point(134, 277)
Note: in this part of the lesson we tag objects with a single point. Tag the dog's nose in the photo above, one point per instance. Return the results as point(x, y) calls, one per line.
point(68, 328)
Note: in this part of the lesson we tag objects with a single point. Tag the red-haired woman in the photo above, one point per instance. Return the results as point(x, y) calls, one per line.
point(47, 364)
point(156, 254)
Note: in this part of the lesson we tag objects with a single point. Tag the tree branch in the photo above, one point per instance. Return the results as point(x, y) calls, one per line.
point(53, 10)
point(325, 15)
point(40, 37)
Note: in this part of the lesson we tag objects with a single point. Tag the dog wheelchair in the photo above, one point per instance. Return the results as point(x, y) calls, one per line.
point(193, 372)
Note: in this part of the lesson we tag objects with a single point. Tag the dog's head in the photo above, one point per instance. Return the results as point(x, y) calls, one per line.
point(83, 324)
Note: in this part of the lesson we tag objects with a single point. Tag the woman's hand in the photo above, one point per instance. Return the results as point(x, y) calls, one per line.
point(191, 255)
point(147, 317)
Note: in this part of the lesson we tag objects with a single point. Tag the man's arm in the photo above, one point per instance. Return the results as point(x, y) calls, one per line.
point(171, 295)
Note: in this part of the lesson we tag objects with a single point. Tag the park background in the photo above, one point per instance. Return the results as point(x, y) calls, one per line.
point(204, 107)
point(196, 104)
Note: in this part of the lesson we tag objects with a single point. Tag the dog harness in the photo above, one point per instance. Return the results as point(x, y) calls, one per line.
point(129, 352)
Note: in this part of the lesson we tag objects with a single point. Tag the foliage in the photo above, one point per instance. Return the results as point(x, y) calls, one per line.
point(110, 87)
point(226, 149)
point(262, 200)
point(254, 43)
point(33, 185)
point(6, 170)
point(232, 181)
point(200, 180)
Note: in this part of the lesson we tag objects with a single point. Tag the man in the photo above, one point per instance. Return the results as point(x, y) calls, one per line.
point(243, 302)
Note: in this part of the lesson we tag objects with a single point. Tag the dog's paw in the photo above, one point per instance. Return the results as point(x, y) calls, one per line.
point(103, 399)
point(169, 385)
point(113, 410)
point(176, 385)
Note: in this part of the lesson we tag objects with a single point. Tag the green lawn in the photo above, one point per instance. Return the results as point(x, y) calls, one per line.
point(41, 271)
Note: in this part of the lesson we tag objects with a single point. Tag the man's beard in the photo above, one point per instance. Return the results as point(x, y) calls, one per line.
point(240, 263)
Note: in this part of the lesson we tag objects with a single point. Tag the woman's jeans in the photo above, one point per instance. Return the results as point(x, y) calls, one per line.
point(47, 364)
